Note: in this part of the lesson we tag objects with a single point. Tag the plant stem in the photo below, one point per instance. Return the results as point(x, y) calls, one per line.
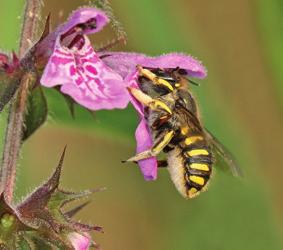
point(13, 138)
point(14, 131)
point(30, 25)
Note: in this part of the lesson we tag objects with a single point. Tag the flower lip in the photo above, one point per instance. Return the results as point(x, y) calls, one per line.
point(75, 65)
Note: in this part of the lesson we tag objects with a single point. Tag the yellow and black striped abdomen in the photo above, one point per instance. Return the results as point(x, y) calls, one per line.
point(197, 162)
point(190, 165)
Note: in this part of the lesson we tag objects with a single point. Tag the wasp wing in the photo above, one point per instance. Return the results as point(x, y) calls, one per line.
point(224, 158)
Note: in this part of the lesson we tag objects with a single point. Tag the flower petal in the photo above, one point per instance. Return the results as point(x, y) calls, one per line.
point(125, 63)
point(131, 81)
point(143, 135)
point(144, 142)
point(85, 77)
point(80, 16)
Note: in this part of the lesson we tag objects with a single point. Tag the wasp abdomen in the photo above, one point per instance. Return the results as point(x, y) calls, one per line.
point(197, 160)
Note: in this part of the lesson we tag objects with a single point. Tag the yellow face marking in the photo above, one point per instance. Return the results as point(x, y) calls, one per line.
point(197, 179)
point(192, 192)
point(192, 139)
point(177, 85)
point(195, 152)
point(155, 104)
point(199, 166)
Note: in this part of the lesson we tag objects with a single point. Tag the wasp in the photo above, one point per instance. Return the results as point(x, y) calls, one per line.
point(173, 118)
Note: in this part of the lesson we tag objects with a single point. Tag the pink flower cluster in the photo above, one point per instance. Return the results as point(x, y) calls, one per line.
point(100, 80)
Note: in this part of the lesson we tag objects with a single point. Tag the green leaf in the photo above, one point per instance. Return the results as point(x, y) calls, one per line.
point(36, 112)
point(9, 84)
point(68, 100)
point(71, 105)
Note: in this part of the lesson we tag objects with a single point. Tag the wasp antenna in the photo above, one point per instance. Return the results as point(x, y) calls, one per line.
point(194, 83)
point(124, 161)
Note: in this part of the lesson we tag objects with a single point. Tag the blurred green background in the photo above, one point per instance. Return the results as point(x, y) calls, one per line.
point(241, 101)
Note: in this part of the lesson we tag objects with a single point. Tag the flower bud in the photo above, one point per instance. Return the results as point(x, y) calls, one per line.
point(79, 241)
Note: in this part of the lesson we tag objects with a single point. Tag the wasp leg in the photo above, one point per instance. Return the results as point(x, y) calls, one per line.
point(148, 101)
point(160, 121)
point(162, 164)
point(156, 149)
point(154, 78)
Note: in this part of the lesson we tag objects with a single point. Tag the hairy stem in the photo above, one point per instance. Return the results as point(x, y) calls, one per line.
point(30, 24)
point(13, 138)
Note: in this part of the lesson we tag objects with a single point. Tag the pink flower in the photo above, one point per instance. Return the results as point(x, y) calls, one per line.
point(79, 241)
point(75, 66)
point(126, 65)
point(100, 81)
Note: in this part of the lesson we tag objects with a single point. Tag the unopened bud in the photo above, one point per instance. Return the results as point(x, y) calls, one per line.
point(79, 241)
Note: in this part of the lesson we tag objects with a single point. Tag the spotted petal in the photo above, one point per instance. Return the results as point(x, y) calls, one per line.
point(82, 74)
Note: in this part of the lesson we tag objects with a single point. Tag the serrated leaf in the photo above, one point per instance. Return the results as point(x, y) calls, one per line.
point(37, 112)
point(9, 83)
